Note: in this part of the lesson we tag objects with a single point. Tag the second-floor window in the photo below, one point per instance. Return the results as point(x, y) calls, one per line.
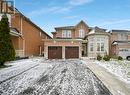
point(66, 34)
point(122, 36)
point(81, 33)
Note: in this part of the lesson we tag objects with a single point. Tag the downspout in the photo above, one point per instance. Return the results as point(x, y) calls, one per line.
point(21, 25)
point(21, 29)
point(40, 50)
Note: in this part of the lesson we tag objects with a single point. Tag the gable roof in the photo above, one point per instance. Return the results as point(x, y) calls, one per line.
point(83, 23)
point(120, 31)
point(28, 20)
point(98, 31)
point(65, 27)
point(70, 27)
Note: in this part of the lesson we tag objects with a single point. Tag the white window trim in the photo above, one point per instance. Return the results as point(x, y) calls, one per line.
point(66, 34)
point(81, 33)
point(91, 46)
point(63, 34)
point(100, 41)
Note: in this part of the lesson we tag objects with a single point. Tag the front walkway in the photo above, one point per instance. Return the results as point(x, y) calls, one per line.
point(116, 86)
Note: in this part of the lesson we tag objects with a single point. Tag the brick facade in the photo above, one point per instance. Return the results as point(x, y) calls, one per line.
point(29, 41)
point(31, 37)
point(73, 41)
point(74, 30)
point(120, 43)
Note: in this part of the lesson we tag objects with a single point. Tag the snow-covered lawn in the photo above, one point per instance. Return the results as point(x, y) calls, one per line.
point(20, 75)
point(38, 76)
point(118, 68)
point(17, 67)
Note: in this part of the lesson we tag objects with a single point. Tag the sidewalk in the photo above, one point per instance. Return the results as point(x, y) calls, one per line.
point(116, 86)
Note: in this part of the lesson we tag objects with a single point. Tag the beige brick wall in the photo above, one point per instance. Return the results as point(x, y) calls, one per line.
point(94, 53)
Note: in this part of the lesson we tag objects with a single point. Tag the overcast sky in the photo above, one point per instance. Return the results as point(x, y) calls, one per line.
point(47, 14)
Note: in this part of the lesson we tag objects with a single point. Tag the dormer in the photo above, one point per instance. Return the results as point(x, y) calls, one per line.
point(81, 29)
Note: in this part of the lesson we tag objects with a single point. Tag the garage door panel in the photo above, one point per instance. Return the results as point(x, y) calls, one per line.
point(54, 52)
point(71, 52)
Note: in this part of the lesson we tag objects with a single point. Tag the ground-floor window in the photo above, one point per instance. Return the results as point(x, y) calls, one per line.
point(91, 46)
point(100, 46)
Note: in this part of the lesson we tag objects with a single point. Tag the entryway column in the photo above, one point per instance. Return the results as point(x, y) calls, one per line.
point(80, 51)
point(63, 52)
point(46, 52)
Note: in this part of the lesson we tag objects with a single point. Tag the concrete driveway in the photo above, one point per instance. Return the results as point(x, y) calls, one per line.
point(60, 77)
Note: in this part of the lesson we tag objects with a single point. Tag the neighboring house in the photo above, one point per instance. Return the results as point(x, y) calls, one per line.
point(120, 43)
point(98, 42)
point(26, 36)
point(67, 42)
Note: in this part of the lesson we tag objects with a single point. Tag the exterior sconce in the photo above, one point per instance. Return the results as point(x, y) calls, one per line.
point(54, 42)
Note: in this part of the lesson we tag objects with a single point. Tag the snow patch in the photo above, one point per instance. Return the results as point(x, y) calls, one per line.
point(118, 68)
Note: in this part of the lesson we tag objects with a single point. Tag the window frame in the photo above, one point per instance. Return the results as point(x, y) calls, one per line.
point(66, 34)
point(81, 33)
point(102, 48)
point(91, 47)
point(100, 42)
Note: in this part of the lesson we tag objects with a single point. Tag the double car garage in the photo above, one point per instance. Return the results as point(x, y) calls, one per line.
point(56, 52)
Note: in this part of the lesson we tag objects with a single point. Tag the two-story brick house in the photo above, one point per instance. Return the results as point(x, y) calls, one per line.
point(67, 42)
point(26, 36)
point(120, 43)
point(77, 41)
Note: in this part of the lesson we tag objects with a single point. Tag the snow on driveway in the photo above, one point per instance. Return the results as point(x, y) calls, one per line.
point(52, 77)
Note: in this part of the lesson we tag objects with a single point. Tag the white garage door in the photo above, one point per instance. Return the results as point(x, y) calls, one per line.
point(124, 52)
